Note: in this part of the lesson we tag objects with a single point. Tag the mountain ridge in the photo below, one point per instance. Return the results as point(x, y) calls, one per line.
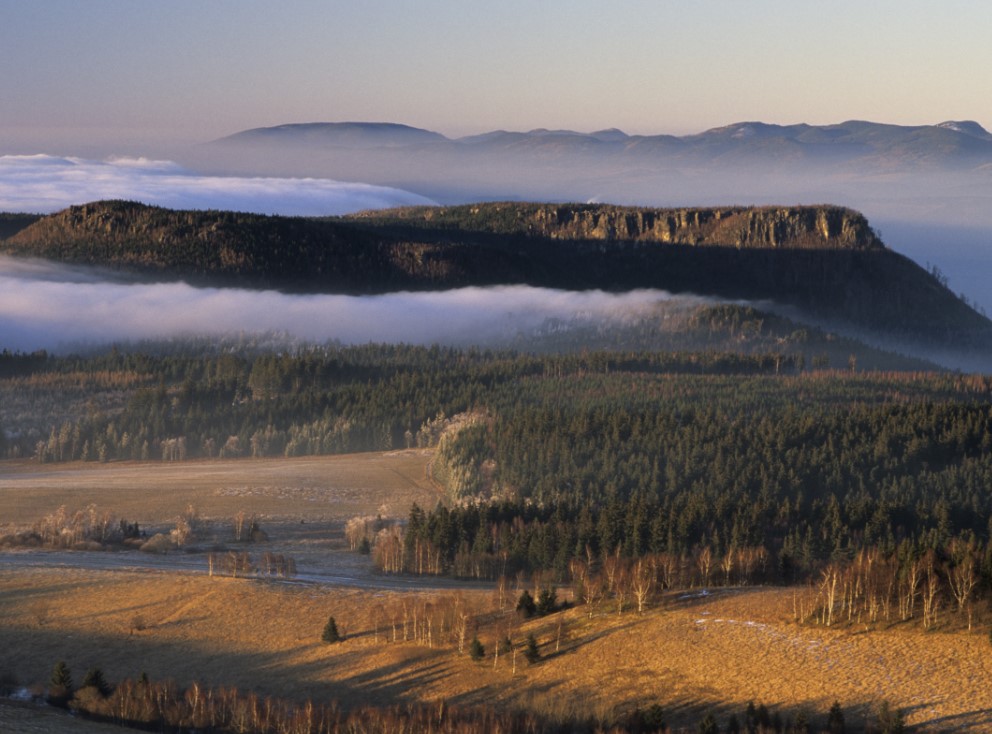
point(942, 143)
point(823, 261)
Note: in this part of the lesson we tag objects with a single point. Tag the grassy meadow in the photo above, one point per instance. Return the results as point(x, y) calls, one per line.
point(691, 652)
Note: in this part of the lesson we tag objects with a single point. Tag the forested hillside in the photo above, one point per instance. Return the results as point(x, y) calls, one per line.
point(583, 455)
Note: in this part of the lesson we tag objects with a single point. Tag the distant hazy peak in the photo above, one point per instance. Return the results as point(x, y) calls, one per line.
point(967, 127)
point(609, 135)
point(344, 134)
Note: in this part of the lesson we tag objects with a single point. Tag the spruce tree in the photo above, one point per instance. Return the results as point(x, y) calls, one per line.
point(547, 602)
point(331, 633)
point(526, 605)
point(531, 652)
point(476, 650)
point(835, 719)
point(62, 676)
point(94, 678)
point(60, 688)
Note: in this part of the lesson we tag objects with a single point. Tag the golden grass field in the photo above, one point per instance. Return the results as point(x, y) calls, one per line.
point(689, 652)
point(317, 489)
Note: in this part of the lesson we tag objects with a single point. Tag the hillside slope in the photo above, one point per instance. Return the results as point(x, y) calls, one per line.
point(825, 261)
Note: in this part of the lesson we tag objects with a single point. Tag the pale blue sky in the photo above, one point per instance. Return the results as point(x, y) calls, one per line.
point(102, 71)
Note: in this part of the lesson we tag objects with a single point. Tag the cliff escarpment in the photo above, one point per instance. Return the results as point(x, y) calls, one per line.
point(823, 261)
point(798, 227)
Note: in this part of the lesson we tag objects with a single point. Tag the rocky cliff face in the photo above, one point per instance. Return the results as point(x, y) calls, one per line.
point(802, 227)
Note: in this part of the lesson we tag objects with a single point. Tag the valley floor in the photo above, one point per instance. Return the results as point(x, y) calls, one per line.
point(132, 612)
point(692, 653)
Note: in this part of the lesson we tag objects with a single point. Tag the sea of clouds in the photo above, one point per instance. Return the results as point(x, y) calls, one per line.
point(45, 184)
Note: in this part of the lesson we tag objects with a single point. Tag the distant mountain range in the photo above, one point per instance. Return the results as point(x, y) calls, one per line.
point(958, 144)
point(937, 172)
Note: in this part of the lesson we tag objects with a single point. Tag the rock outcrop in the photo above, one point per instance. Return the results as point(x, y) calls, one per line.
point(798, 227)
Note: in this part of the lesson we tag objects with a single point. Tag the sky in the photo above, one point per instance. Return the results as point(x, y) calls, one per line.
point(121, 76)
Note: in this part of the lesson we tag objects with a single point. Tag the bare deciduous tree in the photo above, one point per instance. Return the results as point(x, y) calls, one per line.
point(962, 575)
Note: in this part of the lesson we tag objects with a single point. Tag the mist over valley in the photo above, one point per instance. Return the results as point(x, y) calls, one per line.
point(46, 306)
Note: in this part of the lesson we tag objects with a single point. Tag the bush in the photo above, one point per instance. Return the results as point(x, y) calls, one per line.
point(158, 543)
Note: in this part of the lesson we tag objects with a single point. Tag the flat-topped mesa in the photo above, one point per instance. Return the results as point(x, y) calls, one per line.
point(796, 227)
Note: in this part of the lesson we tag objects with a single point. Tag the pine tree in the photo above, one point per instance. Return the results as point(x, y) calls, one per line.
point(835, 719)
point(60, 688)
point(547, 602)
point(62, 676)
point(526, 605)
point(331, 633)
point(476, 650)
point(94, 678)
point(531, 652)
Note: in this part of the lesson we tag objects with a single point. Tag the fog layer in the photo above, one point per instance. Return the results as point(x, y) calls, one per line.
point(44, 184)
point(47, 307)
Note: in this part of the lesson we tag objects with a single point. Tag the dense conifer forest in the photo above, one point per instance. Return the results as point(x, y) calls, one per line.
point(546, 459)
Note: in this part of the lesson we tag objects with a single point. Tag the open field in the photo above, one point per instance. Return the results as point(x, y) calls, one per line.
point(691, 653)
point(132, 612)
point(317, 489)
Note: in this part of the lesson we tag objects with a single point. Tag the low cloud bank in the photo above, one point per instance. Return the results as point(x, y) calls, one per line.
point(44, 184)
point(43, 306)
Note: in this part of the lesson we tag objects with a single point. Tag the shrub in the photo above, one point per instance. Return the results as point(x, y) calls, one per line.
point(158, 543)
